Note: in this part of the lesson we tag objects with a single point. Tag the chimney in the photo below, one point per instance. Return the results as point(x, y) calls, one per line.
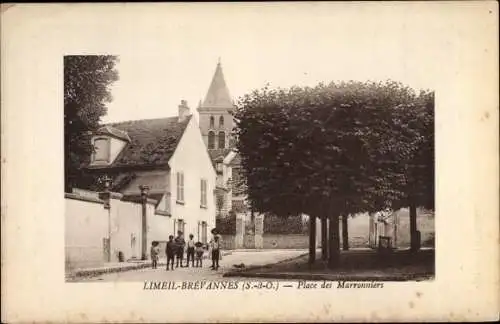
point(183, 111)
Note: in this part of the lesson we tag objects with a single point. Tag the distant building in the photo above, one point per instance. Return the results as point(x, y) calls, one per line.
point(216, 125)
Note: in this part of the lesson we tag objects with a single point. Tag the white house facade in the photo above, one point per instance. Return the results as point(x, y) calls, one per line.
point(193, 175)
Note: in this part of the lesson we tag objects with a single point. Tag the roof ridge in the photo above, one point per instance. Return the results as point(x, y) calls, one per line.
point(218, 94)
point(146, 119)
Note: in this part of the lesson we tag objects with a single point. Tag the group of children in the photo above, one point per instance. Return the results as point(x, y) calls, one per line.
point(195, 250)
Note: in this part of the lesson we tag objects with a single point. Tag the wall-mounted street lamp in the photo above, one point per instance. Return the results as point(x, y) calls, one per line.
point(144, 198)
point(106, 197)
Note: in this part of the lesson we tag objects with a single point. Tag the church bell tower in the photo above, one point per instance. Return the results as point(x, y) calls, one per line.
point(216, 121)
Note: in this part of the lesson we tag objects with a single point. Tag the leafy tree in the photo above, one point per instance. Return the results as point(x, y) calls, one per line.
point(283, 225)
point(327, 151)
point(86, 91)
point(419, 166)
point(226, 225)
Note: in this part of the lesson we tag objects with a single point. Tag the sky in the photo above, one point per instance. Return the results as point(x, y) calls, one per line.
point(171, 55)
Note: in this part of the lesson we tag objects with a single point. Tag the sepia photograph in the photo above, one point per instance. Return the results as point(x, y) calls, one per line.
point(320, 180)
point(268, 162)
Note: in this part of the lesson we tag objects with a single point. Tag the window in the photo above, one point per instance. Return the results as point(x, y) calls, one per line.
point(221, 121)
point(203, 199)
point(101, 147)
point(211, 140)
point(218, 166)
point(222, 140)
point(180, 187)
point(212, 122)
point(181, 225)
point(204, 232)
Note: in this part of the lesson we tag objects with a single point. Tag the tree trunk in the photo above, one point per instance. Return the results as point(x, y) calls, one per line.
point(324, 238)
point(414, 239)
point(312, 239)
point(67, 168)
point(345, 233)
point(144, 246)
point(371, 226)
point(334, 238)
point(396, 224)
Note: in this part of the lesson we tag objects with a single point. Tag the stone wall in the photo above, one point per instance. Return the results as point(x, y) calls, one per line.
point(228, 242)
point(358, 234)
point(88, 225)
point(270, 241)
point(249, 242)
point(288, 241)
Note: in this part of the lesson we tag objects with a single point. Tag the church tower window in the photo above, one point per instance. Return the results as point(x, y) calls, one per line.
point(212, 122)
point(221, 121)
point(222, 140)
point(211, 140)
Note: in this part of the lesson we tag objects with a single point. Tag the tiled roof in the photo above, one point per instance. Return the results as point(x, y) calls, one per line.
point(137, 198)
point(114, 132)
point(218, 93)
point(152, 141)
point(121, 180)
point(214, 154)
point(156, 181)
point(236, 160)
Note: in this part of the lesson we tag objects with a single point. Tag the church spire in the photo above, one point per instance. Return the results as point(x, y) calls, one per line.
point(218, 94)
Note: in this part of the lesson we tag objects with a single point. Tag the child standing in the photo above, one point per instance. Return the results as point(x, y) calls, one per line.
point(215, 246)
point(190, 250)
point(170, 251)
point(199, 254)
point(181, 243)
point(155, 254)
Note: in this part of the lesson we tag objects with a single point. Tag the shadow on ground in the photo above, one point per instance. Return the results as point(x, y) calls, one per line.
point(354, 265)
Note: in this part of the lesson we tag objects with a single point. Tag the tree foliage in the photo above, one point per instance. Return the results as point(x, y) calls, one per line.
point(86, 91)
point(226, 225)
point(292, 224)
point(349, 147)
point(420, 167)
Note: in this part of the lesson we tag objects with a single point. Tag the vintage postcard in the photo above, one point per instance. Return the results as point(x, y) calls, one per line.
point(250, 162)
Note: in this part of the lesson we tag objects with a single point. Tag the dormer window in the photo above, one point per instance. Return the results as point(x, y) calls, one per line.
point(107, 143)
point(101, 150)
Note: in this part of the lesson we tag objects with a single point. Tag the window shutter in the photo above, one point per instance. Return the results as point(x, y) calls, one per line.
point(201, 192)
point(178, 197)
point(182, 187)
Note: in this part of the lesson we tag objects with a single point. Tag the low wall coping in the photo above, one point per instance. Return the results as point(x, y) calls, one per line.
point(152, 201)
point(162, 213)
point(136, 200)
point(83, 198)
point(115, 195)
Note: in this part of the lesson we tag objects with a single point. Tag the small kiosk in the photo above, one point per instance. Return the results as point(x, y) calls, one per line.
point(383, 229)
